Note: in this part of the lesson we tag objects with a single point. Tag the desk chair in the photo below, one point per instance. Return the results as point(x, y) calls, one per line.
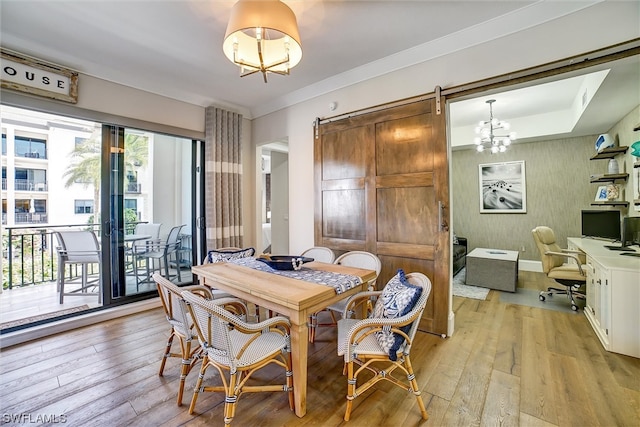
point(571, 276)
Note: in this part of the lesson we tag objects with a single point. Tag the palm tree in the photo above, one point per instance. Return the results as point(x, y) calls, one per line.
point(85, 166)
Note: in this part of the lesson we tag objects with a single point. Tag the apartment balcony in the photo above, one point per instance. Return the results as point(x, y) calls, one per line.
point(28, 185)
point(32, 155)
point(30, 218)
point(133, 188)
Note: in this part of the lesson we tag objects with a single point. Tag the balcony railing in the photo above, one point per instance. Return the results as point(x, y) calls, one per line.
point(4, 183)
point(31, 218)
point(133, 187)
point(29, 185)
point(30, 254)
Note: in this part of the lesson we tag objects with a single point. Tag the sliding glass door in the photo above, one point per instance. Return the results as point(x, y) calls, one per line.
point(138, 191)
point(151, 209)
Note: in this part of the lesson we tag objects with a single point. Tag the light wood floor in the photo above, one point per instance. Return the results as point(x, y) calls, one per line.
point(41, 299)
point(505, 365)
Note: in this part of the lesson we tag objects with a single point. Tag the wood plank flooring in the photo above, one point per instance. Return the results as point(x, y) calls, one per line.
point(507, 365)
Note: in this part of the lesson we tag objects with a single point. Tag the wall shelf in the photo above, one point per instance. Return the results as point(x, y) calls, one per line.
point(610, 177)
point(611, 203)
point(609, 153)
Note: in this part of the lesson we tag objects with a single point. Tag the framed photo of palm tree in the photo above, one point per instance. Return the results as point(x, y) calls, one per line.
point(503, 187)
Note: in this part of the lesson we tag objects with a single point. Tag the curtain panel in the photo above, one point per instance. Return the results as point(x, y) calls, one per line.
point(223, 178)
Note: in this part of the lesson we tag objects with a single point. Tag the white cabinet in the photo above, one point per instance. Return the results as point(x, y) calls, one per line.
point(613, 296)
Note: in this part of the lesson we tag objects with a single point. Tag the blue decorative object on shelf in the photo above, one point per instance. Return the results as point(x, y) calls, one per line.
point(604, 141)
point(635, 149)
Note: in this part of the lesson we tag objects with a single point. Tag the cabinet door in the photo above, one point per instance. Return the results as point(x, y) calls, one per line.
point(605, 301)
point(601, 297)
point(591, 287)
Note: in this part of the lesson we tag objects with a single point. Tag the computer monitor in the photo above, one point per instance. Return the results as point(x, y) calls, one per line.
point(631, 230)
point(601, 224)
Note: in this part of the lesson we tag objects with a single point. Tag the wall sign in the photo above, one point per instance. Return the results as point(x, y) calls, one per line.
point(29, 75)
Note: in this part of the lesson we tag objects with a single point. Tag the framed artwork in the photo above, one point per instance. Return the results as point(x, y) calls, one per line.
point(601, 193)
point(503, 188)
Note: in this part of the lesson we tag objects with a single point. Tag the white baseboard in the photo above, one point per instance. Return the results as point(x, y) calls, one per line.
point(36, 332)
point(528, 265)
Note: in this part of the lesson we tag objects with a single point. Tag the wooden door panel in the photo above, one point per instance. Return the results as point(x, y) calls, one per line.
point(404, 217)
point(344, 154)
point(404, 146)
point(405, 180)
point(344, 214)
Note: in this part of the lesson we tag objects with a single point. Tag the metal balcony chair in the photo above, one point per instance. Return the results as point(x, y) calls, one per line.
point(381, 344)
point(79, 248)
point(157, 259)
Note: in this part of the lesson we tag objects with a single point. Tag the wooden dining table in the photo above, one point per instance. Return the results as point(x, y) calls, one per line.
point(293, 298)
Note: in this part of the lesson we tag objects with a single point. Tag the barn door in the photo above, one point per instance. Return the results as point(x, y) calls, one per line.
point(382, 186)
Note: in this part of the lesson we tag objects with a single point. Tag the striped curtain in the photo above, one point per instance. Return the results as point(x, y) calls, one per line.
point(223, 178)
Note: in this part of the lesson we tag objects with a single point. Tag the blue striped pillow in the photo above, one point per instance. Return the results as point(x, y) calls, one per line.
point(397, 299)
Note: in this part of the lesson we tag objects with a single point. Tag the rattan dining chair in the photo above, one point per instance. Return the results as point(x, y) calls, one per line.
point(237, 350)
point(182, 324)
point(359, 259)
point(381, 343)
point(227, 254)
point(320, 254)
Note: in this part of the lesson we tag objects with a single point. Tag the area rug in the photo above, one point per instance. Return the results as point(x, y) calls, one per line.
point(41, 317)
point(467, 291)
point(530, 298)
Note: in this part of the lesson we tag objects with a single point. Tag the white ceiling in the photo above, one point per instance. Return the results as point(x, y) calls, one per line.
point(174, 47)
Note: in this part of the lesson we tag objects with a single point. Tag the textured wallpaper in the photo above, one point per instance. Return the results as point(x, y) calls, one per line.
point(557, 185)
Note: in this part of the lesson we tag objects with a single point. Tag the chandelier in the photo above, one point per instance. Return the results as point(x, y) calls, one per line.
point(487, 139)
point(262, 37)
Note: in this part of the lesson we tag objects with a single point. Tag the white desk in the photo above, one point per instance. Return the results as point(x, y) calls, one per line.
point(613, 295)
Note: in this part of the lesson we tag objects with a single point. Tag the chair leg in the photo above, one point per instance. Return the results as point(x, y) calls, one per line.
point(313, 324)
point(289, 374)
point(351, 389)
point(414, 387)
point(85, 276)
point(230, 399)
point(62, 287)
point(185, 347)
point(198, 387)
point(167, 353)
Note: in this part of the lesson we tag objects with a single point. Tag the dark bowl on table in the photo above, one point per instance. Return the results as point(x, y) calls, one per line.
point(284, 262)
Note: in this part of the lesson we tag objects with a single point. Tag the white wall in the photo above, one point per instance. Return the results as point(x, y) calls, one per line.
point(568, 36)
